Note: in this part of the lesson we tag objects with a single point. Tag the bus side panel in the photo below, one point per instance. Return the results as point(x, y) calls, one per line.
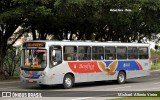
point(85, 71)
point(57, 73)
point(92, 71)
point(138, 73)
point(133, 68)
point(103, 76)
point(110, 69)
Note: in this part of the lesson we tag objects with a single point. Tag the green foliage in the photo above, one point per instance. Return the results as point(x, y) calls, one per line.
point(10, 13)
point(155, 66)
point(155, 58)
point(12, 61)
point(59, 17)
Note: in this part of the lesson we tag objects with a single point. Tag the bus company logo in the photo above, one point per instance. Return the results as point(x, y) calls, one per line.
point(110, 69)
point(6, 94)
point(126, 65)
point(86, 67)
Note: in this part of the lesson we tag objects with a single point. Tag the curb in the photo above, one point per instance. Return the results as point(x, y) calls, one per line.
point(155, 70)
point(8, 82)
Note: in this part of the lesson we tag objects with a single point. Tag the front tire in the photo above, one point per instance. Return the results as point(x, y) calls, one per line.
point(68, 81)
point(121, 77)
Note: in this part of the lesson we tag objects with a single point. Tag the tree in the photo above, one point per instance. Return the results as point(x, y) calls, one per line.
point(11, 16)
point(38, 16)
point(15, 13)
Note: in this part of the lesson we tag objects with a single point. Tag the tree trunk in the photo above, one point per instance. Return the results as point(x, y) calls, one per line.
point(33, 33)
point(5, 33)
point(43, 35)
point(3, 46)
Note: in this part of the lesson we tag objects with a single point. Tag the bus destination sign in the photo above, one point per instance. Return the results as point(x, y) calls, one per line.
point(34, 44)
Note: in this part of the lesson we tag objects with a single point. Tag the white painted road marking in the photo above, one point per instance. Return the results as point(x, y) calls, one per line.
point(157, 83)
point(149, 89)
point(9, 88)
point(82, 98)
point(122, 87)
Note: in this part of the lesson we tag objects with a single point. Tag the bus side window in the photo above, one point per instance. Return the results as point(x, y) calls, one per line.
point(110, 53)
point(84, 53)
point(55, 55)
point(97, 53)
point(132, 53)
point(121, 52)
point(143, 52)
point(70, 53)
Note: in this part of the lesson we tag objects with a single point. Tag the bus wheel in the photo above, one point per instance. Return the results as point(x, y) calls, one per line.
point(121, 77)
point(68, 81)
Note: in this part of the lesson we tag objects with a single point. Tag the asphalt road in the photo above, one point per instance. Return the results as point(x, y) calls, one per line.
point(84, 91)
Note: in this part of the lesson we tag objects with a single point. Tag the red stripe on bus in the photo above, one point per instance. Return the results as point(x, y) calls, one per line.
point(84, 67)
point(139, 65)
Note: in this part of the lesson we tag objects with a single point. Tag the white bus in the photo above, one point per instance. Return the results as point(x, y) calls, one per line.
point(68, 62)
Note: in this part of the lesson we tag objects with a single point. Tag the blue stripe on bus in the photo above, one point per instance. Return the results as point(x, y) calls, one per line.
point(124, 65)
point(108, 63)
point(35, 76)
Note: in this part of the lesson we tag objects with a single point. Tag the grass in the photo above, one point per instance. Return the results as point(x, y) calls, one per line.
point(138, 98)
point(9, 78)
point(16, 75)
point(155, 66)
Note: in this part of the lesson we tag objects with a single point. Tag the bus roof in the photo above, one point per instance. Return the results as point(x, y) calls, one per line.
point(90, 43)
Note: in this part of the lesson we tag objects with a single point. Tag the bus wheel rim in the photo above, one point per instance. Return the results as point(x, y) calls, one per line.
point(121, 78)
point(68, 82)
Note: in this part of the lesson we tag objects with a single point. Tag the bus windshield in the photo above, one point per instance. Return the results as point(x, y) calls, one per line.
point(34, 58)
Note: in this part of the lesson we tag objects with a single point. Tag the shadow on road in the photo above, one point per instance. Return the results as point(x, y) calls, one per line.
point(81, 85)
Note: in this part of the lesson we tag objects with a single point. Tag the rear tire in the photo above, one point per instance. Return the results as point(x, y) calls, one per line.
point(68, 81)
point(121, 78)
